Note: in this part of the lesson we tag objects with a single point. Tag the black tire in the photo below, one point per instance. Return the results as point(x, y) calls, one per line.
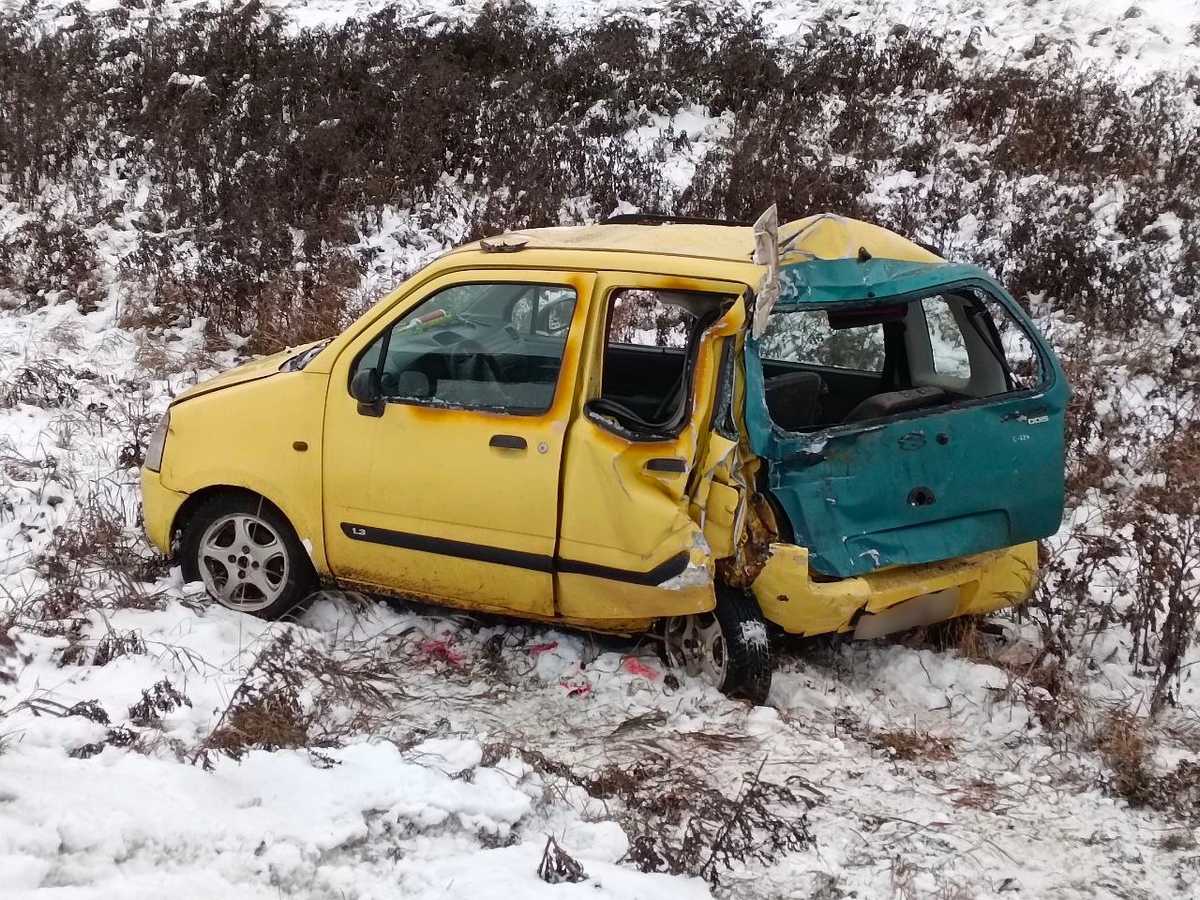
point(748, 674)
point(283, 591)
point(745, 647)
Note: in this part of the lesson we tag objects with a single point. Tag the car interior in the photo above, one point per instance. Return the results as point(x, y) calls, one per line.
point(491, 346)
point(651, 340)
point(852, 364)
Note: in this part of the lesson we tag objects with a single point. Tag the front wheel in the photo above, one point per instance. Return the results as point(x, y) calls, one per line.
point(247, 555)
point(728, 647)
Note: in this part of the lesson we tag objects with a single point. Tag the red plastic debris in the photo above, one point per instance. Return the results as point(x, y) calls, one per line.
point(635, 666)
point(439, 650)
point(577, 688)
point(539, 649)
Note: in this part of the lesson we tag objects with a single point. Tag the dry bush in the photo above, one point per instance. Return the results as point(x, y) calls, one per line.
point(1125, 745)
point(1164, 520)
point(162, 697)
point(51, 259)
point(317, 141)
point(46, 383)
point(265, 710)
point(913, 745)
point(677, 820)
point(295, 695)
point(558, 866)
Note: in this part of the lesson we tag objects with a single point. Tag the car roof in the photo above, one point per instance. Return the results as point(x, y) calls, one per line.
point(822, 236)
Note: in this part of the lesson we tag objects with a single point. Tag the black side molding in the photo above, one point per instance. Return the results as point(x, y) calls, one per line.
point(660, 573)
point(446, 547)
point(516, 558)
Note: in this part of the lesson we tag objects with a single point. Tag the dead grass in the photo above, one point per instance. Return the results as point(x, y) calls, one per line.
point(913, 745)
point(1124, 742)
point(678, 821)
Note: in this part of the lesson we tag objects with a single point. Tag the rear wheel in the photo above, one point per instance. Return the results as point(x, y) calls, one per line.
point(247, 556)
point(727, 647)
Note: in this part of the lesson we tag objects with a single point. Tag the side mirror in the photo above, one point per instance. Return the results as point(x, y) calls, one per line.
point(367, 389)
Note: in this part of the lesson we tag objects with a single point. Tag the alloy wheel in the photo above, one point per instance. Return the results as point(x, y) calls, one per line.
point(243, 562)
point(696, 645)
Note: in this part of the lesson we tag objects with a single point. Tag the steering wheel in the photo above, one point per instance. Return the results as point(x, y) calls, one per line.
point(470, 362)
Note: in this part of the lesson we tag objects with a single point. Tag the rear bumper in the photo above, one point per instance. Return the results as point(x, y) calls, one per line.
point(969, 585)
point(159, 507)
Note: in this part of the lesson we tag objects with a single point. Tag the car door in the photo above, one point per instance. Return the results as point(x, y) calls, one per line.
point(449, 489)
point(631, 543)
point(980, 469)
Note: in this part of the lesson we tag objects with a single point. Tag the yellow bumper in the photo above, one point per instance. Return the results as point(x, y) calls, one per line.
point(159, 506)
point(978, 584)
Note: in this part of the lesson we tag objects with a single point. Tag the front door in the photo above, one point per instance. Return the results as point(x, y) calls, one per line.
point(452, 492)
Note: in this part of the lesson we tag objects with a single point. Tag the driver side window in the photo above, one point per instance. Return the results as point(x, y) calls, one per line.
point(477, 346)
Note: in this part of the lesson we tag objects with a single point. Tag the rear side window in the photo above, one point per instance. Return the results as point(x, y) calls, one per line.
point(647, 318)
point(651, 336)
point(949, 348)
point(807, 338)
point(480, 346)
point(975, 345)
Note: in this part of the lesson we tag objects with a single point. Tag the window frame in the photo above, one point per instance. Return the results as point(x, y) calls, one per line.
point(434, 403)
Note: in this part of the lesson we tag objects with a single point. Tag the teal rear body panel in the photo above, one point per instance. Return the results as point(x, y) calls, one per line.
point(950, 481)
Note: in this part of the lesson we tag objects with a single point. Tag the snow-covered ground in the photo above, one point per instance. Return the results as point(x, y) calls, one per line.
point(442, 750)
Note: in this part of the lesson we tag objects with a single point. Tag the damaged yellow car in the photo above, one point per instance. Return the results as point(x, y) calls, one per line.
point(649, 424)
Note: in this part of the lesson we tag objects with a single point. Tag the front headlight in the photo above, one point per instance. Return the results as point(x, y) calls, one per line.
point(158, 442)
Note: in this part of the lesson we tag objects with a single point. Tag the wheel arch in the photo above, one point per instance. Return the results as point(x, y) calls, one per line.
point(197, 499)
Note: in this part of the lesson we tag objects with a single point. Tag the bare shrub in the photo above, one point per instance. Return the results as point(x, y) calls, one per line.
point(678, 821)
point(295, 695)
point(913, 745)
point(558, 866)
point(51, 259)
point(265, 710)
point(162, 697)
point(45, 383)
point(1123, 744)
point(1165, 527)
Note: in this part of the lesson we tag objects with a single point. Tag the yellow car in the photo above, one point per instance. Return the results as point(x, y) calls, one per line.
point(649, 424)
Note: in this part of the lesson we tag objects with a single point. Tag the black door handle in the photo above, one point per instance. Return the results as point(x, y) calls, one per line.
point(666, 464)
point(508, 442)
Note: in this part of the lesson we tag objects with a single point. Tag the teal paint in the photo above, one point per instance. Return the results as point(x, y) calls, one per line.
point(994, 465)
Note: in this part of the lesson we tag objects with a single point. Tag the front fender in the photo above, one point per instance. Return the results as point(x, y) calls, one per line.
point(262, 436)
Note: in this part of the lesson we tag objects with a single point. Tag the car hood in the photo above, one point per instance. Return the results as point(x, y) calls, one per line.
point(251, 371)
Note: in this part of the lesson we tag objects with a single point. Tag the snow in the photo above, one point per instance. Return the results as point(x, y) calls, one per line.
point(418, 800)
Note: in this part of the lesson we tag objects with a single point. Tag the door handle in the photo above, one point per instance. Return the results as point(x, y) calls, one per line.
point(508, 442)
point(669, 465)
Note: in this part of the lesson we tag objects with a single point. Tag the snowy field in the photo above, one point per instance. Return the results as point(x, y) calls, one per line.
point(153, 744)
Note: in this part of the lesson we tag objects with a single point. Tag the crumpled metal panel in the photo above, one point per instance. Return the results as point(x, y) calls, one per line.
point(995, 470)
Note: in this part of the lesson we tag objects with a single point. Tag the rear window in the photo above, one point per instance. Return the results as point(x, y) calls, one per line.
point(863, 362)
point(806, 337)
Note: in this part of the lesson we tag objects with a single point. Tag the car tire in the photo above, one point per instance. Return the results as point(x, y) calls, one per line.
point(729, 647)
point(247, 555)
